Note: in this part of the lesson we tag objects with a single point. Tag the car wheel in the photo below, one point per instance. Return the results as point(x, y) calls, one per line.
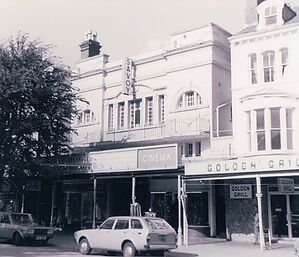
point(84, 247)
point(17, 239)
point(129, 250)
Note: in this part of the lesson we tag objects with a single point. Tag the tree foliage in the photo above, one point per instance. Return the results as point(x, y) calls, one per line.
point(37, 104)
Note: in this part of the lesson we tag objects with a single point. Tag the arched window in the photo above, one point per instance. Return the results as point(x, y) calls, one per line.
point(189, 99)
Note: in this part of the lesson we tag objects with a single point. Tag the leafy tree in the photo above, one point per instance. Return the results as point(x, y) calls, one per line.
point(37, 104)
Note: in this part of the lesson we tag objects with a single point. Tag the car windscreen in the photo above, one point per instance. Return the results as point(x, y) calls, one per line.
point(22, 219)
point(157, 224)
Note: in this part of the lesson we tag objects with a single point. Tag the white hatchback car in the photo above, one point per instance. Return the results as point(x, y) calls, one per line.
point(130, 235)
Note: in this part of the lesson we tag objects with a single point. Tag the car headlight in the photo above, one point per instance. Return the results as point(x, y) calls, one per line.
point(50, 231)
point(30, 231)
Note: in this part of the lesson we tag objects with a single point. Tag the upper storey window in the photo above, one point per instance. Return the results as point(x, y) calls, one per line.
point(271, 15)
point(86, 117)
point(284, 55)
point(268, 66)
point(253, 68)
point(189, 99)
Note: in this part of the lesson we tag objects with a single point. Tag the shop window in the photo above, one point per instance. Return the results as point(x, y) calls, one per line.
point(161, 110)
point(284, 56)
point(122, 224)
point(149, 111)
point(268, 66)
point(253, 68)
point(121, 115)
point(189, 99)
point(197, 209)
point(110, 117)
point(134, 112)
point(271, 15)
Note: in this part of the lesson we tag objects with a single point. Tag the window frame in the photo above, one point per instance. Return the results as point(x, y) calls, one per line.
point(253, 68)
point(110, 117)
point(269, 67)
point(271, 16)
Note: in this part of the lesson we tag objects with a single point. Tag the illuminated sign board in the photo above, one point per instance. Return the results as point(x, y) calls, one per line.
point(240, 191)
point(127, 83)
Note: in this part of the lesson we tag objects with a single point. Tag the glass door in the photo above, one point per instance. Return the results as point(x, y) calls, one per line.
point(294, 214)
point(279, 215)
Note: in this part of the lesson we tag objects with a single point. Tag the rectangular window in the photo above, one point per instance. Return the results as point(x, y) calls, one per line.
point(189, 150)
point(134, 111)
point(253, 68)
point(198, 149)
point(270, 15)
point(87, 116)
point(275, 129)
point(161, 109)
point(268, 66)
point(110, 117)
point(248, 113)
point(121, 115)
point(284, 55)
point(190, 99)
point(289, 121)
point(149, 111)
point(260, 130)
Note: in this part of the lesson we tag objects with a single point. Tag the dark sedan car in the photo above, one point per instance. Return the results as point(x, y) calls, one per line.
point(20, 227)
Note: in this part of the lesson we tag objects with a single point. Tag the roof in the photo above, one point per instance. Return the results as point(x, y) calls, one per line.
point(253, 27)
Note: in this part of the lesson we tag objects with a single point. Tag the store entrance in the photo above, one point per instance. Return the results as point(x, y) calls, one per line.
point(284, 215)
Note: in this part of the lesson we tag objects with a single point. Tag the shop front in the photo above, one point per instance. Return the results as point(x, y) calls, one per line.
point(246, 194)
point(119, 178)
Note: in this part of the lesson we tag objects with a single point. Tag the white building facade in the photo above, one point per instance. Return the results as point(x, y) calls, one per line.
point(263, 170)
point(146, 117)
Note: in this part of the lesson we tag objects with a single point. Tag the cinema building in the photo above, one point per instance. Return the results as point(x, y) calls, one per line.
point(145, 118)
point(263, 167)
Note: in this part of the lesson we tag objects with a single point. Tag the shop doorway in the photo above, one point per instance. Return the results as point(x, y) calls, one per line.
point(284, 215)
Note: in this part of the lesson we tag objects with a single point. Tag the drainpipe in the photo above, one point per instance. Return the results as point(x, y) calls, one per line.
point(260, 214)
point(179, 212)
point(94, 203)
point(217, 116)
point(133, 190)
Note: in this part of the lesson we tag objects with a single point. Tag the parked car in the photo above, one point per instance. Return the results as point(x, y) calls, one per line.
point(128, 234)
point(20, 227)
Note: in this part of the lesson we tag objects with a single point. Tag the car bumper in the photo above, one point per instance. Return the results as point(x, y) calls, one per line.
point(38, 237)
point(160, 247)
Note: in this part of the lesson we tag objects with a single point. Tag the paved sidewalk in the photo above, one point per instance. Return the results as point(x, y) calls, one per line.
point(215, 248)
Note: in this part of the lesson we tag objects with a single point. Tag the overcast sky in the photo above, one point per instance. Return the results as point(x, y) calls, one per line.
point(124, 27)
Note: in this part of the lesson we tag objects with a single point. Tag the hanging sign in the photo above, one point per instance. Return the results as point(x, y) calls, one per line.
point(240, 191)
point(286, 185)
point(127, 82)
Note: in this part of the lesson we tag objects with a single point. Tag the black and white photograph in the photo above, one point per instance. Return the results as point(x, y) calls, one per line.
point(149, 128)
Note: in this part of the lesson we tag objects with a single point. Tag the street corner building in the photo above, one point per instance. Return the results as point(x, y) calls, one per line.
point(202, 131)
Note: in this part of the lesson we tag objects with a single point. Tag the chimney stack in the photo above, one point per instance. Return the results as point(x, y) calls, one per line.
point(251, 16)
point(90, 46)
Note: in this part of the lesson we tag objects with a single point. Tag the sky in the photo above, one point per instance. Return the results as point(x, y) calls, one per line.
point(124, 27)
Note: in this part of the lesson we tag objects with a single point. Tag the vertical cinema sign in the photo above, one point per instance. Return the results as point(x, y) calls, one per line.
point(127, 83)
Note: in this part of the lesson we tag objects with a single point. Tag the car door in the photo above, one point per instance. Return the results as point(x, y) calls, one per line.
point(119, 233)
point(5, 227)
point(138, 233)
point(100, 237)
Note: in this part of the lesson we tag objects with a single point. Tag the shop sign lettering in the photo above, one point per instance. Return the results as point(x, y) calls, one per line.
point(286, 185)
point(243, 165)
point(127, 83)
point(240, 191)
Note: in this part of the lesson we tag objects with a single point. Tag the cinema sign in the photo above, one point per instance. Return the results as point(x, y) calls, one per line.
point(241, 165)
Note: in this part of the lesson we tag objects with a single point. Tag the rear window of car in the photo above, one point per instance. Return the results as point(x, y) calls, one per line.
point(157, 224)
point(108, 224)
point(122, 224)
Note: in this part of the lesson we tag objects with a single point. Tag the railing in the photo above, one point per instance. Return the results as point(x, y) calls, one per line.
point(171, 128)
